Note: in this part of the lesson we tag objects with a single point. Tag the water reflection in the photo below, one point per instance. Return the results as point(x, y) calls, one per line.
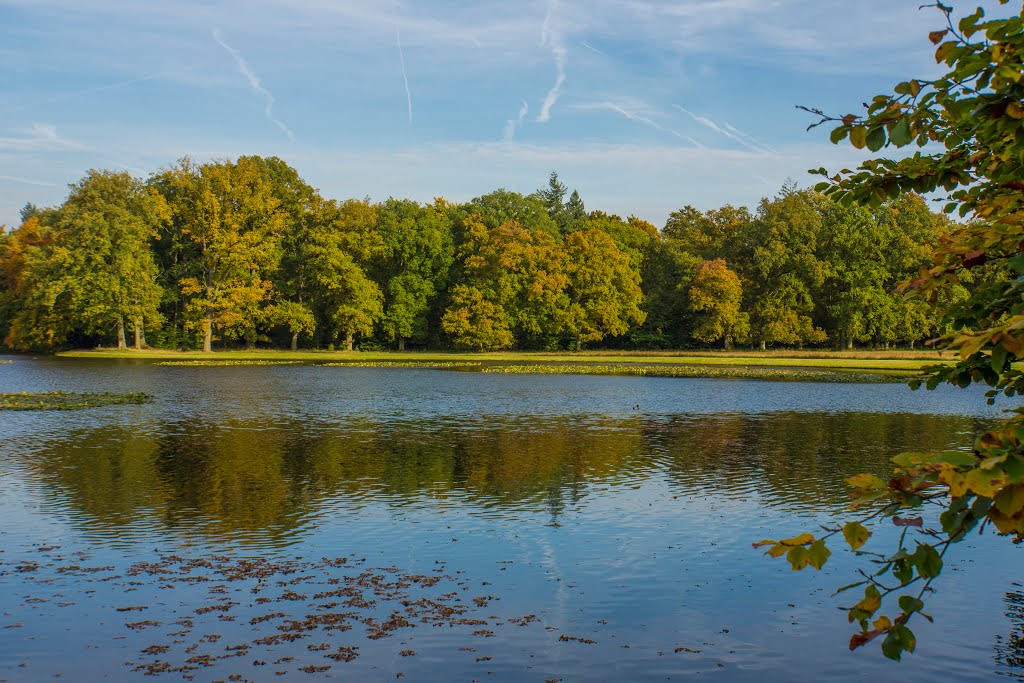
point(1009, 649)
point(244, 476)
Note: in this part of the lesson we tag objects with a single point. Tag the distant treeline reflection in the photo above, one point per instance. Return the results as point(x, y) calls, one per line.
point(252, 476)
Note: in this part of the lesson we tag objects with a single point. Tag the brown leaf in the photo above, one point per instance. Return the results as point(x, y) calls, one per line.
point(908, 521)
point(861, 639)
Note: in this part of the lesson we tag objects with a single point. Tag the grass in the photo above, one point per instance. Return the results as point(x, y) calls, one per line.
point(63, 400)
point(906, 361)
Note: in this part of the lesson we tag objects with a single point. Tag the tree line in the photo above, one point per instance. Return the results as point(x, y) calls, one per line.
point(245, 252)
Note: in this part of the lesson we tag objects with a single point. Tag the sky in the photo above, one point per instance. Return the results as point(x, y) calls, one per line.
point(643, 106)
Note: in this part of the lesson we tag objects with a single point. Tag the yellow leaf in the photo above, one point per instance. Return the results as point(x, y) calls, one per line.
point(985, 483)
point(1010, 501)
point(802, 539)
point(865, 481)
point(882, 623)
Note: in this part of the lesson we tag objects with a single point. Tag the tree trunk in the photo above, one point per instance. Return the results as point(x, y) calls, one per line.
point(728, 342)
point(139, 339)
point(912, 344)
point(764, 346)
point(348, 341)
point(208, 333)
point(401, 343)
point(120, 333)
point(849, 343)
point(579, 343)
point(295, 341)
point(250, 341)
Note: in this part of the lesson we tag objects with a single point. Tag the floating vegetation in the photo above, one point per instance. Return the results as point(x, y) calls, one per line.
point(66, 400)
point(219, 363)
point(701, 371)
point(237, 614)
point(404, 364)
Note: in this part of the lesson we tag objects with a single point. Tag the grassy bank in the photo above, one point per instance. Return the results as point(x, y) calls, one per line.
point(896, 361)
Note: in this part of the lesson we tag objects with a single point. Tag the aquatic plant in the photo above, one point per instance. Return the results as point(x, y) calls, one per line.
point(64, 400)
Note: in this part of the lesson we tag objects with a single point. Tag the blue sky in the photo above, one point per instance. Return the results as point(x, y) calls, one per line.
point(642, 105)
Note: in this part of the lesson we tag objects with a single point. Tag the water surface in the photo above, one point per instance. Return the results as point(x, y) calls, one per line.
point(266, 522)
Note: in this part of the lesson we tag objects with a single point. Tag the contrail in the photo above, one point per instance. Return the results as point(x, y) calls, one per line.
point(405, 78)
point(550, 37)
point(254, 83)
point(728, 131)
point(639, 118)
point(592, 48)
point(26, 181)
point(513, 124)
point(79, 93)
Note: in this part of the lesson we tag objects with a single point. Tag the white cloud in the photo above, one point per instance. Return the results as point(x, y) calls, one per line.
point(513, 124)
point(40, 137)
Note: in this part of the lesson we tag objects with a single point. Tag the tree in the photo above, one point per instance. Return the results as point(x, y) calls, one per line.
point(352, 302)
point(106, 225)
point(519, 272)
point(575, 211)
point(553, 197)
point(476, 323)
point(603, 287)
point(228, 224)
point(418, 253)
point(715, 296)
point(35, 306)
point(974, 116)
point(780, 269)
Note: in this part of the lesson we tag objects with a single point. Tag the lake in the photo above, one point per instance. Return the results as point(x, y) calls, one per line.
point(303, 523)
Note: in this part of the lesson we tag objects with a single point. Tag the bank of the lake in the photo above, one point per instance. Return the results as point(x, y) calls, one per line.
point(850, 366)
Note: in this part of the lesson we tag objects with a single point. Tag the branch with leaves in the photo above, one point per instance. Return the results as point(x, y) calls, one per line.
point(969, 126)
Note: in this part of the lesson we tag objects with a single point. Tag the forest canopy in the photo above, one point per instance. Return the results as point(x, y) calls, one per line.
point(245, 252)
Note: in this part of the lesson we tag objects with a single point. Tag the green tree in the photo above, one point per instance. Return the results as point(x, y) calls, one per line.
point(974, 116)
point(715, 296)
point(414, 268)
point(603, 287)
point(575, 211)
point(553, 198)
point(780, 269)
point(344, 240)
point(106, 225)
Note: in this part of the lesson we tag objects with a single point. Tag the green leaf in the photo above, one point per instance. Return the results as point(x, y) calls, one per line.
point(799, 557)
point(955, 458)
point(999, 354)
point(838, 135)
point(856, 534)
point(909, 604)
point(818, 554)
point(899, 640)
point(927, 560)
point(900, 134)
point(876, 138)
